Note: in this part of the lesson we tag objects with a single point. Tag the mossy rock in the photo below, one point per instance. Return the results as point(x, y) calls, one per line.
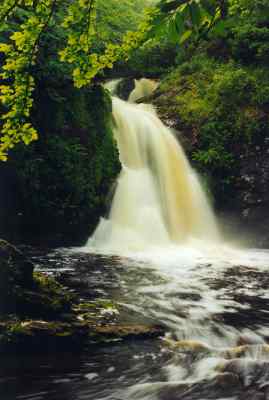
point(15, 272)
point(26, 293)
point(39, 336)
point(46, 299)
point(126, 332)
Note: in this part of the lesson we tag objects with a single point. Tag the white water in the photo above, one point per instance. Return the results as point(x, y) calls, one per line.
point(112, 85)
point(143, 87)
point(159, 200)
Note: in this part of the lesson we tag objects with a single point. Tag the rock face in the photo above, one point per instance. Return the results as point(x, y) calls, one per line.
point(252, 199)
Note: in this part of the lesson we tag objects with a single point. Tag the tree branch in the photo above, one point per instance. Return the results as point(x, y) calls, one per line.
point(9, 11)
point(30, 62)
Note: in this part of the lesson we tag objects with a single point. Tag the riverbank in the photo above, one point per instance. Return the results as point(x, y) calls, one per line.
point(43, 312)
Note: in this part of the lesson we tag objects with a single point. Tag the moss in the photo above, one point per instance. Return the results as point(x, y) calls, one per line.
point(108, 333)
point(41, 335)
point(44, 298)
point(65, 177)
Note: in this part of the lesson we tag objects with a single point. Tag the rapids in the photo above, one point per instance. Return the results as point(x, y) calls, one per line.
point(214, 308)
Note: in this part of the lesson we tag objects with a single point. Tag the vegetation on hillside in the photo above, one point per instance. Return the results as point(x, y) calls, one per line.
point(218, 92)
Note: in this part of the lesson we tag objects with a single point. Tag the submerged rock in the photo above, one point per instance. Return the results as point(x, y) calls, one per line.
point(250, 372)
point(192, 346)
point(255, 351)
point(128, 331)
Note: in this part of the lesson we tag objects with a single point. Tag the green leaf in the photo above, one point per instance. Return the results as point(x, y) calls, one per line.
point(179, 21)
point(209, 6)
point(220, 29)
point(172, 30)
point(185, 36)
point(195, 14)
point(167, 6)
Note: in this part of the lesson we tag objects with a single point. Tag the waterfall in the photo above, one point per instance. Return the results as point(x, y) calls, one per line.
point(143, 87)
point(158, 199)
point(112, 85)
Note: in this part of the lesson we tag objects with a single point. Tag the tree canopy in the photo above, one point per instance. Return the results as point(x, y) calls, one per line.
point(89, 44)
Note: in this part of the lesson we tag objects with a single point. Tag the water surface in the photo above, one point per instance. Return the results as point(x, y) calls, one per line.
point(216, 297)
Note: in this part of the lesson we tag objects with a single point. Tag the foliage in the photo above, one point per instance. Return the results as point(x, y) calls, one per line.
point(221, 108)
point(179, 19)
point(77, 19)
point(152, 59)
point(66, 175)
point(16, 96)
point(114, 19)
point(250, 31)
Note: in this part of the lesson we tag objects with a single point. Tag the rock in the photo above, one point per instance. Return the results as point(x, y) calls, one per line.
point(118, 331)
point(15, 272)
point(227, 379)
point(38, 335)
point(249, 339)
point(14, 266)
point(261, 350)
point(192, 346)
point(249, 371)
point(125, 87)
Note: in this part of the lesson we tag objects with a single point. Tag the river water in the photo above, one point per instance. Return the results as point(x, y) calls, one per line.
point(208, 299)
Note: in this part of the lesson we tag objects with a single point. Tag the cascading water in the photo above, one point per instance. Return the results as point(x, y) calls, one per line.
point(159, 199)
point(143, 87)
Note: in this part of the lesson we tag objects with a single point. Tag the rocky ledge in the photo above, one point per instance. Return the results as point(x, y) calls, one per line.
point(37, 313)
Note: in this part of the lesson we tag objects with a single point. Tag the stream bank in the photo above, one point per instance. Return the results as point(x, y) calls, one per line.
point(44, 312)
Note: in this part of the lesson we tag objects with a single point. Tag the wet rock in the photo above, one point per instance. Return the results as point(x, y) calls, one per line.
point(128, 331)
point(227, 379)
point(249, 340)
point(37, 335)
point(250, 372)
point(14, 266)
point(15, 272)
point(125, 87)
point(254, 351)
point(189, 346)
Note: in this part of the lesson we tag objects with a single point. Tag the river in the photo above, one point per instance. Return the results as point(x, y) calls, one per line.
point(208, 303)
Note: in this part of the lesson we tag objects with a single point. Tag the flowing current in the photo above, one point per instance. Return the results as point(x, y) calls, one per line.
point(158, 199)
